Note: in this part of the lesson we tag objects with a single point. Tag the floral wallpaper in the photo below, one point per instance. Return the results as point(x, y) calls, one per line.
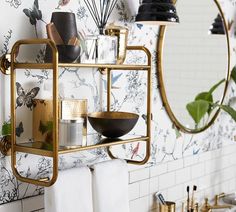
point(28, 19)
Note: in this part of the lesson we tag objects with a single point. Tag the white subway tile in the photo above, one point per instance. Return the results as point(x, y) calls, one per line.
point(175, 192)
point(153, 203)
point(175, 165)
point(138, 175)
point(232, 185)
point(204, 182)
point(227, 174)
point(226, 161)
point(154, 186)
point(140, 205)
point(132, 167)
point(158, 170)
point(183, 175)
point(166, 180)
point(198, 170)
point(212, 165)
point(225, 187)
point(12, 207)
point(230, 149)
point(216, 153)
point(144, 188)
point(33, 203)
point(232, 159)
point(205, 156)
point(191, 160)
point(134, 191)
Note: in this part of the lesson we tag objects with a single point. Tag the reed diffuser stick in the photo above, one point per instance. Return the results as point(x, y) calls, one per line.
point(100, 11)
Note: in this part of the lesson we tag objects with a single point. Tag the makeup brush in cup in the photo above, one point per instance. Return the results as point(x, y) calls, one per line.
point(188, 198)
point(192, 200)
point(160, 198)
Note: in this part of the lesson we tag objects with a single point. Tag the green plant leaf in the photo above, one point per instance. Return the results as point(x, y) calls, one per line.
point(43, 128)
point(6, 129)
point(233, 74)
point(198, 110)
point(204, 96)
point(214, 87)
point(229, 110)
point(47, 146)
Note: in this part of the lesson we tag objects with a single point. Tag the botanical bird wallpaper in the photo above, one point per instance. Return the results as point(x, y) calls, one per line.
point(21, 19)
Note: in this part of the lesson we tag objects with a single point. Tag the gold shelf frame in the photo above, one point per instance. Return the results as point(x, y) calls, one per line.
point(54, 154)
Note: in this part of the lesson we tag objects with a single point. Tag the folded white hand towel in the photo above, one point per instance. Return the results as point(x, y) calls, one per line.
point(72, 192)
point(110, 186)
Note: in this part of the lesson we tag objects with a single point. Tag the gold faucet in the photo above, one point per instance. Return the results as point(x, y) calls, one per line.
point(208, 208)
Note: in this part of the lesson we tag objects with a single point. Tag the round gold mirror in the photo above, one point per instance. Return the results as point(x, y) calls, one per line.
point(194, 64)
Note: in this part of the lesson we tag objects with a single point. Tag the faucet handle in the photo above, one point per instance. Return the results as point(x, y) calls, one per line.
point(205, 207)
point(217, 197)
point(206, 201)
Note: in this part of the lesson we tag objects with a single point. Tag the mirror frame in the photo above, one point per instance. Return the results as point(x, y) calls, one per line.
point(161, 83)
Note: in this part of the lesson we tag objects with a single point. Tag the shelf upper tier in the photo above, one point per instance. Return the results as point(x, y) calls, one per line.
point(81, 65)
point(41, 148)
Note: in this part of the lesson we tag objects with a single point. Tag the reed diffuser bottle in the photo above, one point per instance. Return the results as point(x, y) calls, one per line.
point(105, 51)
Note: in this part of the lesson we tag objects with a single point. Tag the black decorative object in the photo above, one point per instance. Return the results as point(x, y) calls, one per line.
point(113, 124)
point(67, 53)
point(65, 23)
point(217, 28)
point(160, 12)
point(100, 12)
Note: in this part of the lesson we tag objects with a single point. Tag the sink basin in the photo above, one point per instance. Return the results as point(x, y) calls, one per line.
point(230, 199)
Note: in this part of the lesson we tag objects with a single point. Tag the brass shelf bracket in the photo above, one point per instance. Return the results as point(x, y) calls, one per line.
point(5, 145)
point(5, 64)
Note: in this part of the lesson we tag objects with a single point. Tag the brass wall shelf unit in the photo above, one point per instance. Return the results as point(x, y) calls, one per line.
point(35, 147)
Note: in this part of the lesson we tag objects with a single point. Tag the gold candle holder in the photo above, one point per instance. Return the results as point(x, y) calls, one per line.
point(122, 35)
point(70, 111)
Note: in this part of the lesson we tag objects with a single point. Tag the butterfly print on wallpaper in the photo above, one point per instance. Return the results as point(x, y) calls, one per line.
point(25, 98)
point(34, 15)
point(19, 129)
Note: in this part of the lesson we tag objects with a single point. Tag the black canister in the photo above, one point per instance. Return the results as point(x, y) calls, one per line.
point(65, 23)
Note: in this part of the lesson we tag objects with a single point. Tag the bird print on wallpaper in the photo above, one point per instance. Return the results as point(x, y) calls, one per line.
point(62, 3)
point(114, 79)
point(25, 98)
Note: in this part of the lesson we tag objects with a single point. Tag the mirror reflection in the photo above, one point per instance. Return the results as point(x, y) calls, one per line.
point(194, 60)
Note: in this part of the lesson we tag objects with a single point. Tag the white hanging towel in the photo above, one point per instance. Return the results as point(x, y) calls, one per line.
point(110, 186)
point(72, 192)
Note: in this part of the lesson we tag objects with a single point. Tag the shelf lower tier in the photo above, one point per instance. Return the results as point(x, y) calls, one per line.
point(41, 148)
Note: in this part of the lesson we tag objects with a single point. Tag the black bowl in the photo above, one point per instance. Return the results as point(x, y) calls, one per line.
point(113, 124)
point(67, 53)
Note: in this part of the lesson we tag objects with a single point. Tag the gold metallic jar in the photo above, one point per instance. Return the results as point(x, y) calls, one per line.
point(122, 35)
point(169, 207)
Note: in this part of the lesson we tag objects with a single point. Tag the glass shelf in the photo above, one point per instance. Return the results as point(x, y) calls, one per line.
point(44, 149)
